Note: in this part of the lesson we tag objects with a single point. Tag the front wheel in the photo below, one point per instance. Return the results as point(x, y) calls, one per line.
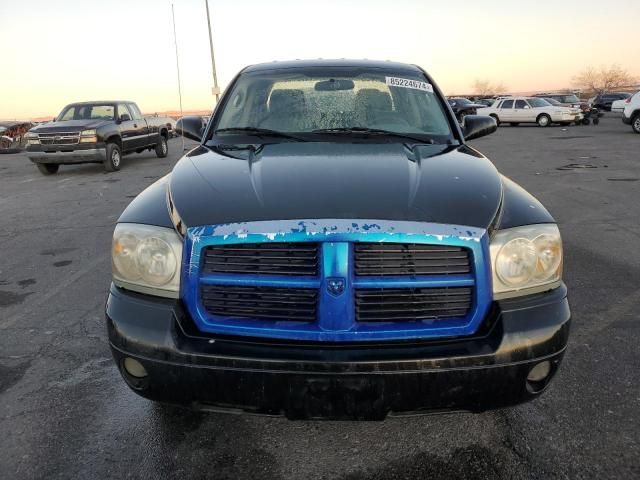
point(48, 168)
point(544, 120)
point(161, 147)
point(114, 158)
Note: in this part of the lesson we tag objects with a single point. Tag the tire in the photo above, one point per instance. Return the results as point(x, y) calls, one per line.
point(114, 158)
point(635, 123)
point(48, 168)
point(586, 121)
point(596, 121)
point(162, 149)
point(495, 117)
point(514, 124)
point(543, 120)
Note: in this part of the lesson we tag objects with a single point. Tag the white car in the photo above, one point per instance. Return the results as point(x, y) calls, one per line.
point(618, 105)
point(631, 112)
point(516, 110)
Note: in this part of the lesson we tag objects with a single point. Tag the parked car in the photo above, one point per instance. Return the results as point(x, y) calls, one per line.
point(571, 100)
point(487, 102)
point(617, 106)
point(604, 102)
point(95, 132)
point(517, 110)
point(566, 99)
point(12, 135)
point(631, 112)
point(462, 107)
point(334, 248)
point(584, 119)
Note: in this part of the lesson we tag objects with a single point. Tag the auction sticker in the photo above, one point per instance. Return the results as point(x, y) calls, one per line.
point(408, 83)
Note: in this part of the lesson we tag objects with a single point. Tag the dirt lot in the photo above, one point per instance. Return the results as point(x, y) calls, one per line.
point(65, 412)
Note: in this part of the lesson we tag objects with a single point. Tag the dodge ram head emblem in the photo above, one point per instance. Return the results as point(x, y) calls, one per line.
point(335, 286)
point(57, 138)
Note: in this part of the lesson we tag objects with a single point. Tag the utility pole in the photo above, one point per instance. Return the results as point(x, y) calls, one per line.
point(175, 41)
point(215, 90)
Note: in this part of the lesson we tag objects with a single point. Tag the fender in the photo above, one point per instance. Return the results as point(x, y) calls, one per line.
point(109, 131)
point(519, 207)
point(150, 206)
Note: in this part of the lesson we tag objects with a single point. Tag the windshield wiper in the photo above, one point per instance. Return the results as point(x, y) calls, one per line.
point(375, 131)
point(259, 132)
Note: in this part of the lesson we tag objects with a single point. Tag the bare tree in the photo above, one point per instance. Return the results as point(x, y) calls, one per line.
point(486, 88)
point(603, 79)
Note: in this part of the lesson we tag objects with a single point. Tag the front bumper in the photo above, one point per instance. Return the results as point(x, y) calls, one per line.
point(338, 381)
point(64, 155)
point(626, 120)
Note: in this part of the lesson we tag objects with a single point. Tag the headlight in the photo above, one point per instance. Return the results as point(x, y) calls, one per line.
point(525, 260)
point(88, 136)
point(147, 259)
point(32, 138)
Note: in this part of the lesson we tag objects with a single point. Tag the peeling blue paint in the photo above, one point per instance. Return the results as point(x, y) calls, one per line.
point(336, 314)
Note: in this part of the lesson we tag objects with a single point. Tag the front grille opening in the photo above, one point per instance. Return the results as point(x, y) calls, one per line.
point(381, 259)
point(63, 138)
point(272, 303)
point(412, 304)
point(292, 259)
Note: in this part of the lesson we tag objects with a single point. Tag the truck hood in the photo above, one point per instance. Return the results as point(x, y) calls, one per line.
point(69, 126)
point(431, 183)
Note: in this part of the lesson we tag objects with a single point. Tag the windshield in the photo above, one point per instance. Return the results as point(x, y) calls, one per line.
point(87, 112)
point(569, 99)
point(553, 101)
point(462, 101)
point(537, 102)
point(317, 100)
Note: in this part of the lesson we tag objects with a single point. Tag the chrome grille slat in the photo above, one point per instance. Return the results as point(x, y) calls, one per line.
point(59, 138)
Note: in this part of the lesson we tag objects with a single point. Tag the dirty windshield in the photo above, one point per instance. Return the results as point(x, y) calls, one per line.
point(87, 112)
point(340, 101)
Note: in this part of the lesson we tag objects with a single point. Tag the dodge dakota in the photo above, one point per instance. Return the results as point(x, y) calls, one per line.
point(335, 249)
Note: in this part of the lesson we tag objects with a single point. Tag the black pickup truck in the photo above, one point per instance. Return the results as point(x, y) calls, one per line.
point(335, 249)
point(96, 132)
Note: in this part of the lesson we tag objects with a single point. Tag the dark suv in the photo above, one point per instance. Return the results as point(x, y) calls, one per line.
point(604, 101)
point(334, 248)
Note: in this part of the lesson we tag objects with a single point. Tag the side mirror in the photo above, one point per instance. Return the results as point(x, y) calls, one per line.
point(190, 127)
point(476, 126)
point(527, 106)
point(125, 117)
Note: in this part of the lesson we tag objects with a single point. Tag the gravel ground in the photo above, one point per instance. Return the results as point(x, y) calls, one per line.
point(66, 413)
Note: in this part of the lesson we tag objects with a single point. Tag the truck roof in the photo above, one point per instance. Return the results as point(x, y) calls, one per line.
point(342, 62)
point(100, 101)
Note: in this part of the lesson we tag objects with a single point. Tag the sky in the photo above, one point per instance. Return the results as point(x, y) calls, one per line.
point(59, 51)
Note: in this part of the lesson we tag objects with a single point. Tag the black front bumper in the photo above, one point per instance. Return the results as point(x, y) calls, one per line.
point(355, 381)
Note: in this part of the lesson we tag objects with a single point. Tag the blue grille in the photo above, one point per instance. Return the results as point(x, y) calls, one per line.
point(337, 280)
